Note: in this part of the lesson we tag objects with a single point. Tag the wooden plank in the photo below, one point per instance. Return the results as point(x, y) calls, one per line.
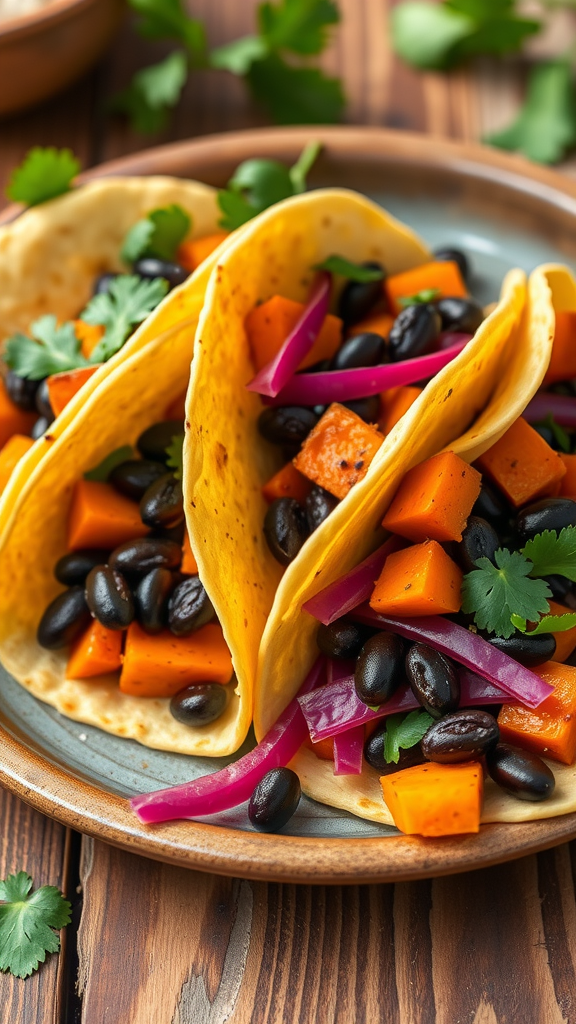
point(488, 947)
point(30, 842)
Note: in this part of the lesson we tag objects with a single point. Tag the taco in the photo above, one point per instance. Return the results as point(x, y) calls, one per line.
point(82, 283)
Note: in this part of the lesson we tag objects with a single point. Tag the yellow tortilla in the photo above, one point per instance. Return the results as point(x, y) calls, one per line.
point(51, 255)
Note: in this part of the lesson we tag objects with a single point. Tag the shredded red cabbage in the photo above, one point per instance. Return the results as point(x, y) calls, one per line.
point(235, 783)
point(337, 709)
point(361, 382)
point(350, 590)
point(278, 371)
point(348, 748)
point(546, 403)
point(469, 649)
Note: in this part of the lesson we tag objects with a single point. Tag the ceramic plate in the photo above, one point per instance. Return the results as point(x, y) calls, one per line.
point(503, 213)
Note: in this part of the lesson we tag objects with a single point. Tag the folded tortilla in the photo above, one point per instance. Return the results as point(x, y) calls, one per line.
point(51, 255)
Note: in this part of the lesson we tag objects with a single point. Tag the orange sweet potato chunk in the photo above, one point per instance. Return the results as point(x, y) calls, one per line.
point(445, 276)
point(13, 420)
point(191, 254)
point(11, 454)
point(102, 518)
point(374, 323)
point(338, 451)
point(287, 483)
point(568, 482)
point(189, 564)
point(566, 640)
point(163, 664)
point(562, 365)
point(395, 403)
point(435, 799)
point(419, 580)
point(522, 465)
point(269, 324)
point(63, 386)
point(434, 499)
point(550, 729)
point(97, 652)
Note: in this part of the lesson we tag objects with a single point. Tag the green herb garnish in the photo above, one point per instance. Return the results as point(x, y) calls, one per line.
point(102, 471)
point(51, 349)
point(128, 302)
point(153, 92)
point(404, 731)
point(258, 184)
point(159, 234)
point(353, 271)
point(553, 554)
point(547, 624)
point(419, 298)
point(546, 125)
point(496, 592)
point(43, 174)
point(175, 453)
point(27, 921)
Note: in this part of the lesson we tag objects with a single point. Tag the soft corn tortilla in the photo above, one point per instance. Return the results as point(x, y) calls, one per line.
point(515, 370)
point(51, 255)
point(133, 396)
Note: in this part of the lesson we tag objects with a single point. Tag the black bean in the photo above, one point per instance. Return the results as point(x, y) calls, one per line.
point(285, 529)
point(102, 284)
point(175, 533)
point(319, 505)
point(521, 773)
point(199, 704)
point(547, 514)
point(490, 505)
point(40, 427)
point(151, 599)
point(151, 268)
point(356, 299)
point(108, 597)
point(545, 433)
point(274, 799)
point(368, 409)
point(138, 557)
point(374, 754)
point(189, 607)
point(462, 736)
point(433, 680)
point(287, 424)
point(479, 540)
point(459, 314)
point(73, 568)
point(414, 332)
point(380, 668)
point(22, 391)
point(527, 649)
point(43, 401)
point(154, 441)
point(162, 504)
point(134, 476)
point(454, 256)
point(65, 618)
point(361, 350)
point(342, 639)
point(560, 587)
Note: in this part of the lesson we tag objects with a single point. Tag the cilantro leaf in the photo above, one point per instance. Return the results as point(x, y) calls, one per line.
point(552, 554)
point(546, 125)
point(257, 184)
point(238, 55)
point(128, 302)
point(159, 234)
point(152, 92)
point(353, 271)
point(175, 453)
point(42, 175)
point(547, 624)
point(300, 170)
point(419, 298)
point(558, 433)
point(295, 95)
point(53, 350)
point(236, 210)
point(297, 25)
point(167, 19)
point(102, 471)
point(26, 923)
point(404, 731)
point(496, 592)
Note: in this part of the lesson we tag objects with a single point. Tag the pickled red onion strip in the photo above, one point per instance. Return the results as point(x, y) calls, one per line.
point(348, 748)
point(235, 783)
point(546, 403)
point(272, 377)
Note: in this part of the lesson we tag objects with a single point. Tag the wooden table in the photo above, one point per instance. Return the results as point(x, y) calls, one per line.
point(151, 944)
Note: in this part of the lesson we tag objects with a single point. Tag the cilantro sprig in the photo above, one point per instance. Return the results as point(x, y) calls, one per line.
point(274, 62)
point(43, 174)
point(419, 298)
point(506, 594)
point(353, 271)
point(175, 453)
point(158, 234)
point(257, 184)
point(51, 349)
point(27, 923)
point(404, 731)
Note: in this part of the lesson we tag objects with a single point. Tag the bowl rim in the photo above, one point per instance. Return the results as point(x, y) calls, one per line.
point(53, 12)
point(85, 806)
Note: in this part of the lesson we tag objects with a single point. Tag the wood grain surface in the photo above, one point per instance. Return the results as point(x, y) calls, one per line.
point(161, 945)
